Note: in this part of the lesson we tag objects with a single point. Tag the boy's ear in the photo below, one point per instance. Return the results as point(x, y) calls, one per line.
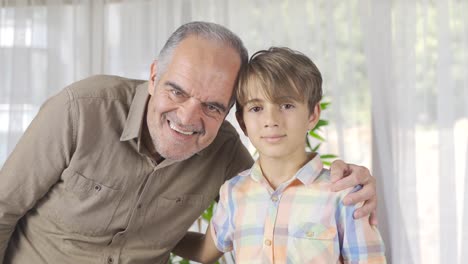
point(240, 120)
point(152, 78)
point(314, 117)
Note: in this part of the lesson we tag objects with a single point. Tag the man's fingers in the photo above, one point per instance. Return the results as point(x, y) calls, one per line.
point(373, 218)
point(368, 208)
point(367, 192)
point(357, 175)
point(344, 183)
point(338, 170)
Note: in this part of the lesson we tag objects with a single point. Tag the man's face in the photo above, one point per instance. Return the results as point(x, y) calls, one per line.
point(190, 100)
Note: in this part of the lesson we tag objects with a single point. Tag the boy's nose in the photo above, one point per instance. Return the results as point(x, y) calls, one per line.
point(271, 119)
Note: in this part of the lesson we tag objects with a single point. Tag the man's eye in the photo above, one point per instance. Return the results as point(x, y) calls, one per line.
point(212, 108)
point(176, 92)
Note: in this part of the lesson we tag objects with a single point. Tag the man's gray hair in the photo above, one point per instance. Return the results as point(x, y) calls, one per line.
point(209, 31)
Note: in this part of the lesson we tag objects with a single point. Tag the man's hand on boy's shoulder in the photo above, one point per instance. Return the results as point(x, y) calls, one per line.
point(344, 176)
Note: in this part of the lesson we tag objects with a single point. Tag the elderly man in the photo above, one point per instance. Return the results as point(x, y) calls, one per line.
point(114, 170)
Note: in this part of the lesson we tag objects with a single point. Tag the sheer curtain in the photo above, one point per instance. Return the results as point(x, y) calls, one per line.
point(396, 73)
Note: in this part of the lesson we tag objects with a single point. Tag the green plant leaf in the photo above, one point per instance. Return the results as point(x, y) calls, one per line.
point(328, 156)
point(324, 105)
point(315, 135)
point(320, 124)
point(316, 147)
point(208, 213)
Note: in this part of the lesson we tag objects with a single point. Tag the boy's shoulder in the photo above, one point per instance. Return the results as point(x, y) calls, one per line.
point(324, 183)
point(240, 178)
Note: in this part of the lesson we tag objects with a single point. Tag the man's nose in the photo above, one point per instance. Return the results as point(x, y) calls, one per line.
point(189, 112)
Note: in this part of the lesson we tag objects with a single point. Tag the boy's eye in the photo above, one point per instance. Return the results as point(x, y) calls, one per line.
point(255, 109)
point(287, 106)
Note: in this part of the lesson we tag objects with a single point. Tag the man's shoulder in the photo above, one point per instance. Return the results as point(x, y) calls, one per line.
point(227, 130)
point(104, 87)
point(226, 139)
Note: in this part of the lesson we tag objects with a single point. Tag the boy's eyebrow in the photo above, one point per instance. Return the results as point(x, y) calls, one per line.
point(177, 87)
point(277, 99)
point(255, 100)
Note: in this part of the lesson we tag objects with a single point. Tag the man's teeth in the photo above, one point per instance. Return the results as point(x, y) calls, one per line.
point(188, 133)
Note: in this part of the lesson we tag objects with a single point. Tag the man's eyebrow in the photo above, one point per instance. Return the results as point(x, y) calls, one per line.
point(220, 106)
point(177, 87)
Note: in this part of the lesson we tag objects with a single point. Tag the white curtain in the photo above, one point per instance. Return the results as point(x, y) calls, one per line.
point(396, 73)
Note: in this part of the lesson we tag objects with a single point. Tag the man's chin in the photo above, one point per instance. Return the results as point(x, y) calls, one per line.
point(176, 156)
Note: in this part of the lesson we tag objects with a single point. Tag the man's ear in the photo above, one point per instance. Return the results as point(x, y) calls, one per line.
point(240, 120)
point(314, 117)
point(152, 78)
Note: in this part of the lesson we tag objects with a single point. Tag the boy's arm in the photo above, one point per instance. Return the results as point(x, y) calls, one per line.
point(198, 247)
point(359, 240)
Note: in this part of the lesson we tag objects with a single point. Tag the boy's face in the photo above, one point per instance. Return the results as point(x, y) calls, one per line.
point(277, 129)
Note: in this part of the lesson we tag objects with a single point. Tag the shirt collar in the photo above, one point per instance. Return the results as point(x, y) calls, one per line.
point(306, 174)
point(134, 123)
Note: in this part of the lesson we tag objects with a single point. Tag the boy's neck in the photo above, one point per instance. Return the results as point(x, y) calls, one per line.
point(279, 170)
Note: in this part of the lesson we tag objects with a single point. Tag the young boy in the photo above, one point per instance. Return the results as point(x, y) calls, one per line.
point(282, 210)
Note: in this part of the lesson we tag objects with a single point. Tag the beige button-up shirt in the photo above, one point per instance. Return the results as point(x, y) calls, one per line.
point(80, 188)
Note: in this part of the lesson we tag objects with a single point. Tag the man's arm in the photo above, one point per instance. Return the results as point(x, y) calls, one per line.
point(198, 247)
point(349, 175)
point(35, 164)
point(206, 248)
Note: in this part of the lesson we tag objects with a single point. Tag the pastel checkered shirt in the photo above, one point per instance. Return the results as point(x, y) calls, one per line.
point(302, 221)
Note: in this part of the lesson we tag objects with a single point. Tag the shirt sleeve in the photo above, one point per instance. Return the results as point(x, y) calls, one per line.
point(222, 226)
point(35, 164)
point(360, 242)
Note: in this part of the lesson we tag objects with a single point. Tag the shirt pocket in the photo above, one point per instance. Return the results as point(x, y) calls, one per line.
point(309, 241)
point(83, 205)
point(172, 217)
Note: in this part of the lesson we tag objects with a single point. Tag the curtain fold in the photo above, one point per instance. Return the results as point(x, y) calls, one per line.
point(395, 72)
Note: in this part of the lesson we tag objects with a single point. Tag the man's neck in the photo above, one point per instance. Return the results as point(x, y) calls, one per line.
point(148, 144)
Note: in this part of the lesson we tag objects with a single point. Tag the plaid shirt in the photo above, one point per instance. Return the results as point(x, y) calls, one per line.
point(302, 221)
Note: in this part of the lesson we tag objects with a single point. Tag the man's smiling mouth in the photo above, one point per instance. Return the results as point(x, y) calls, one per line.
point(173, 127)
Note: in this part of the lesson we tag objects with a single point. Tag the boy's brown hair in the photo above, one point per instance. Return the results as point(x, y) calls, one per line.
point(280, 72)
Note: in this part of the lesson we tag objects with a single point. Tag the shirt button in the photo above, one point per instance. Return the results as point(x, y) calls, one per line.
point(110, 260)
point(310, 234)
point(267, 242)
point(274, 198)
point(97, 188)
